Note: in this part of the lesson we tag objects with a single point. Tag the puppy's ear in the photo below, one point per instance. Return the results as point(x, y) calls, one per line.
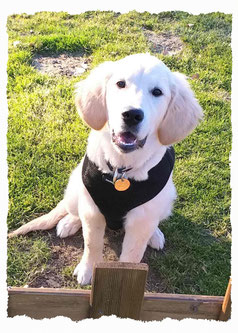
point(183, 113)
point(90, 96)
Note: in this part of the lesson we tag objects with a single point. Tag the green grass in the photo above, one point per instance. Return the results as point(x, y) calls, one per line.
point(31, 257)
point(46, 138)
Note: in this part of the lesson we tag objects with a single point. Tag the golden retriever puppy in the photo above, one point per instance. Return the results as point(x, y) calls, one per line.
point(137, 109)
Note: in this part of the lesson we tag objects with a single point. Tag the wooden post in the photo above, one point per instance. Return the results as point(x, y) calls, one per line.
point(225, 313)
point(118, 288)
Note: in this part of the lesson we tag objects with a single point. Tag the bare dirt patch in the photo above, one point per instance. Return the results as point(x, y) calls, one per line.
point(165, 43)
point(66, 254)
point(63, 64)
point(76, 64)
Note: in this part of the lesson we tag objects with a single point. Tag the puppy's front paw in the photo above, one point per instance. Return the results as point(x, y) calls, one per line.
point(157, 240)
point(84, 272)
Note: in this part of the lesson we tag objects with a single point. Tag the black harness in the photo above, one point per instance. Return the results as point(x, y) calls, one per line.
point(113, 204)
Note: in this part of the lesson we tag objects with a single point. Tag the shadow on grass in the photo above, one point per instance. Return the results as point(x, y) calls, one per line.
point(193, 260)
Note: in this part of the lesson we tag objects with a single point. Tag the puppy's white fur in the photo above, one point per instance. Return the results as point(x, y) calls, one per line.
point(167, 119)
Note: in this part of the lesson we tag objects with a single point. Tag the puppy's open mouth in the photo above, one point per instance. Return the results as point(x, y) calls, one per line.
point(127, 141)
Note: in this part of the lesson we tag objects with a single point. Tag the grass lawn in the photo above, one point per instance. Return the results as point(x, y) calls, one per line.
point(46, 140)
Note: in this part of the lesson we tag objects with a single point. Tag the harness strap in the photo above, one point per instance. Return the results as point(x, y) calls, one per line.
point(113, 204)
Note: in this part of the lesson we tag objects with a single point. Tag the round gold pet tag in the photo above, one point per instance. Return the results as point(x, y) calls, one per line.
point(122, 184)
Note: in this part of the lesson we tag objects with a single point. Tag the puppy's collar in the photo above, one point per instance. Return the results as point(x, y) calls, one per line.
point(118, 173)
point(119, 170)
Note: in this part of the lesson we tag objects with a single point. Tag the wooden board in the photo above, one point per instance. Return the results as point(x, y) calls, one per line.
point(160, 306)
point(118, 288)
point(75, 304)
point(42, 303)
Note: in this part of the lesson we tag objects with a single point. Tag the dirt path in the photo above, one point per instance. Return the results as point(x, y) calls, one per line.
point(66, 254)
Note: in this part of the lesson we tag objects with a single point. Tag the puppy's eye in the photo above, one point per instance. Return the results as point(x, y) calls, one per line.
point(121, 84)
point(156, 92)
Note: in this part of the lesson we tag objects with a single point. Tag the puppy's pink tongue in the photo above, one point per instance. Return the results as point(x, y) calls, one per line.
point(127, 137)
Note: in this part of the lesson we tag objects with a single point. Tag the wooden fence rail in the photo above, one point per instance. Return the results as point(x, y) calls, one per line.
point(117, 288)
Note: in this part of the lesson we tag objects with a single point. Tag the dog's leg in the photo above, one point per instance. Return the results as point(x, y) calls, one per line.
point(93, 233)
point(68, 226)
point(137, 236)
point(93, 226)
point(45, 222)
point(157, 240)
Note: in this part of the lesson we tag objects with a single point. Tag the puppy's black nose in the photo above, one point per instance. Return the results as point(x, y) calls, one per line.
point(133, 117)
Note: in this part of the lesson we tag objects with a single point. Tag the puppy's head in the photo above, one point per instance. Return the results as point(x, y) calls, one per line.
point(137, 97)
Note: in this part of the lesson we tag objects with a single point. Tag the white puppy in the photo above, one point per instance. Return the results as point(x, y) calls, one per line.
point(136, 108)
